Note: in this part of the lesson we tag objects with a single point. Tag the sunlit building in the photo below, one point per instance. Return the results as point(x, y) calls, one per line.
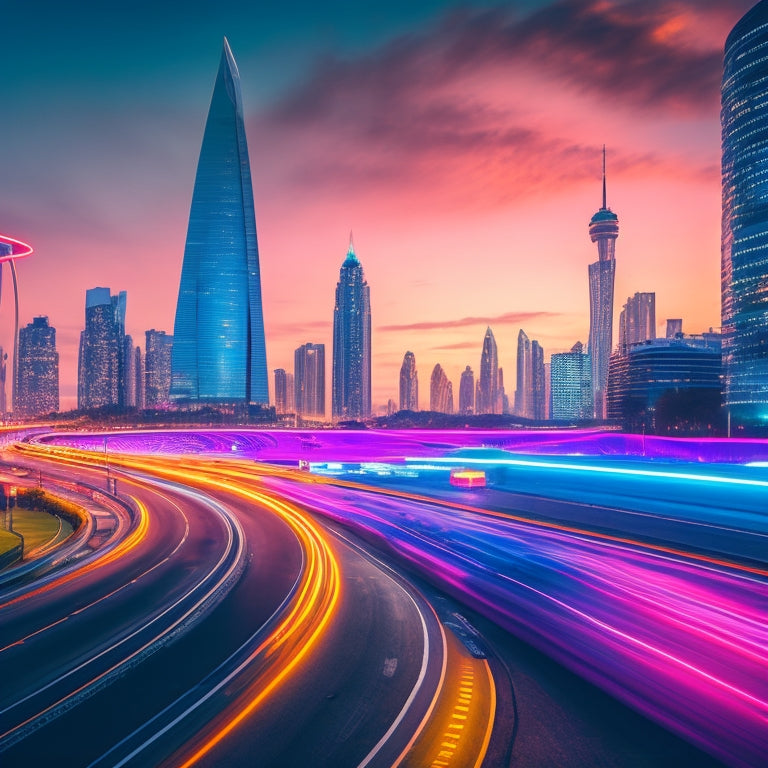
point(637, 321)
point(351, 342)
point(488, 400)
point(674, 327)
point(284, 391)
point(101, 357)
point(603, 230)
point(219, 352)
point(744, 266)
point(37, 388)
point(309, 381)
point(467, 391)
point(158, 351)
point(538, 410)
point(409, 384)
point(524, 390)
point(571, 384)
point(440, 391)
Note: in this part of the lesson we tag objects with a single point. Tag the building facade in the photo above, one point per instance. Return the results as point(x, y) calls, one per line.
point(351, 397)
point(219, 351)
point(487, 399)
point(101, 357)
point(309, 381)
point(37, 388)
point(467, 391)
point(637, 321)
point(440, 391)
point(603, 230)
point(744, 246)
point(158, 351)
point(661, 368)
point(571, 384)
point(409, 384)
point(524, 389)
point(284, 394)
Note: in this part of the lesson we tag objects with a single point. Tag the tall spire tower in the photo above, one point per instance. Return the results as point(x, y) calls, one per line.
point(219, 352)
point(603, 230)
point(351, 378)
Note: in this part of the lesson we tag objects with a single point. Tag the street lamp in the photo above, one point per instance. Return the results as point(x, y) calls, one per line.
point(10, 250)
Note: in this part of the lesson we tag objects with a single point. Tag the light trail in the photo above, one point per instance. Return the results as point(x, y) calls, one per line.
point(120, 550)
point(233, 550)
point(313, 607)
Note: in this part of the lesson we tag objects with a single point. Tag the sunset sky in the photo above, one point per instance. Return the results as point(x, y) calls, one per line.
point(461, 142)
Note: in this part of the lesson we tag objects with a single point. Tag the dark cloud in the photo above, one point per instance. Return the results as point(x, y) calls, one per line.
point(510, 318)
point(404, 113)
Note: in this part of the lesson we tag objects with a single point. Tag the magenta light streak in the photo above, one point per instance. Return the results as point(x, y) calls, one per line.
point(685, 643)
point(18, 249)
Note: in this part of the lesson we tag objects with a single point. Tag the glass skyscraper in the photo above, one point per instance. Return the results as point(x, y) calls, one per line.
point(37, 388)
point(309, 381)
point(744, 265)
point(603, 230)
point(101, 359)
point(219, 352)
point(487, 400)
point(352, 342)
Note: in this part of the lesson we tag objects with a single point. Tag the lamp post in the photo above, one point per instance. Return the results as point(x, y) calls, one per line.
point(10, 250)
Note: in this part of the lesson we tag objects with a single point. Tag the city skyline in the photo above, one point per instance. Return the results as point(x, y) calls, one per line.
point(437, 311)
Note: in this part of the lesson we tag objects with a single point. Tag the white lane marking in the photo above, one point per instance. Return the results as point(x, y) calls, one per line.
point(232, 525)
point(170, 555)
point(424, 662)
point(221, 684)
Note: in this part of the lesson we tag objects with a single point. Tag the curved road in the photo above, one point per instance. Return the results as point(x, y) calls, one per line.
point(228, 625)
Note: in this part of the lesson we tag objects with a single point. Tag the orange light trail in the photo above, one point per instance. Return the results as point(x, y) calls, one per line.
point(313, 605)
point(134, 538)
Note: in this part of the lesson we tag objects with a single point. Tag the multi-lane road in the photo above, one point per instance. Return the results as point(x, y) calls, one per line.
point(247, 613)
point(224, 626)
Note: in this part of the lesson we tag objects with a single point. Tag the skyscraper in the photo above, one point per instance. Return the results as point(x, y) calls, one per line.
point(158, 349)
point(140, 383)
point(440, 391)
point(3, 373)
point(571, 385)
point(37, 389)
point(674, 326)
point(284, 394)
point(524, 390)
point(309, 380)
point(538, 409)
point(352, 341)
point(488, 384)
point(409, 384)
point(467, 391)
point(744, 266)
point(219, 353)
point(637, 321)
point(101, 364)
point(603, 230)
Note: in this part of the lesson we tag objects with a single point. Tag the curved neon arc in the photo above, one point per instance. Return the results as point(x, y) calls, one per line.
point(19, 249)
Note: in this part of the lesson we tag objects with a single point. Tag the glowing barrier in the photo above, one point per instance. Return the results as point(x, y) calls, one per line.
point(18, 249)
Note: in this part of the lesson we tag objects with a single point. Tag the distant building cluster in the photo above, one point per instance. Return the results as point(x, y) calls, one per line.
point(217, 353)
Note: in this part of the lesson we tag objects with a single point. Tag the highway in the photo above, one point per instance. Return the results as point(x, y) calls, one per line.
point(222, 607)
point(645, 577)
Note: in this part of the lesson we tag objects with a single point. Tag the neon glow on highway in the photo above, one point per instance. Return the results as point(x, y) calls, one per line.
point(677, 632)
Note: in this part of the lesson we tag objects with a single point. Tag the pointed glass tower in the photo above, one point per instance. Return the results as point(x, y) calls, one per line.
point(603, 230)
point(352, 341)
point(219, 352)
point(488, 384)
